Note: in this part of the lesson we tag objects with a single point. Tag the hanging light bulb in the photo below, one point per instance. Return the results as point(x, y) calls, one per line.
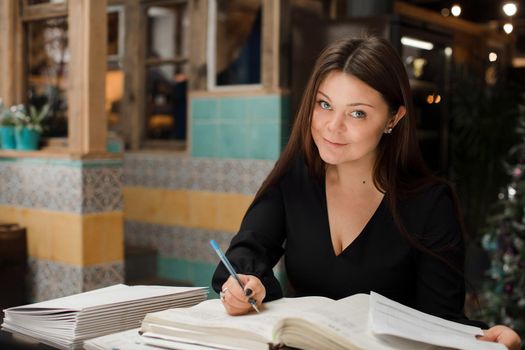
point(510, 8)
point(507, 27)
point(493, 57)
point(456, 10)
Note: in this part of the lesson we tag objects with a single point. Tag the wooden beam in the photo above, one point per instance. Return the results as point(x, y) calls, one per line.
point(133, 103)
point(198, 10)
point(451, 22)
point(11, 66)
point(270, 45)
point(87, 129)
point(44, 11)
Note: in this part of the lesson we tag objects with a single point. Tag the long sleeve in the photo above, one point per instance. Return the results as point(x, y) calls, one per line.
point(440, 288)
point(259, 244)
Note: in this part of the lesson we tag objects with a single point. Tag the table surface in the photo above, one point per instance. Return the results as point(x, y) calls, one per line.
point(8, 341)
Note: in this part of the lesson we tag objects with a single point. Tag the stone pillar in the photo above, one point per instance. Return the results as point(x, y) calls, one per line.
point(72, 210)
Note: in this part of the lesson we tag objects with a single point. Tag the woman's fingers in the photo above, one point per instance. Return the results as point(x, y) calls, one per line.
point(503, 335)
point(253, 288)
point(235, 299)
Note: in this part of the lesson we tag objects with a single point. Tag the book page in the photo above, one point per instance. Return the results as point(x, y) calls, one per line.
point(342, 324)
point(211, 317)
point(390, 317)
point(129, 340)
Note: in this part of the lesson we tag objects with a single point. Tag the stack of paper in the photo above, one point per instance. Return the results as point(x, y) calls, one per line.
point(66, 322)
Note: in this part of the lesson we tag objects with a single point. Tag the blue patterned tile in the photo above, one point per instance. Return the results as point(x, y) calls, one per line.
point(51, 279)
point(198, 174)
point(55, 186)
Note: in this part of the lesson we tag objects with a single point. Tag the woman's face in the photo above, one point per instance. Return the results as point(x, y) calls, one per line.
point(349, 119)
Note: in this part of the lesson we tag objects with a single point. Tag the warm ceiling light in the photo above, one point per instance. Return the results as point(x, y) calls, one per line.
point(420, 44)
point(493, 57)
point(448, 51)
point(508, 28)
point(510, 8)
point(456, 10)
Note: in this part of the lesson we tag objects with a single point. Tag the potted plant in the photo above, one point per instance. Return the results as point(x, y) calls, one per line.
point(28, 126)
point(7, 128)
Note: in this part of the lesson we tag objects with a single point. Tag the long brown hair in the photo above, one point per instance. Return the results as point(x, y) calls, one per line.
point(399, 169)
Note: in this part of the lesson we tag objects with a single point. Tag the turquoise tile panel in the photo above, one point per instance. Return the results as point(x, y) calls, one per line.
point(196, 272)
point(233, 140)
point(253, 127)
point(232, 109)
point(204, 109)
point(204, 140)
point(265, 141)
point(265, 106)
point(200, 273)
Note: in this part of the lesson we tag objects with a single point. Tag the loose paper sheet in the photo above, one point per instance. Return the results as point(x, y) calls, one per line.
point(390, 317)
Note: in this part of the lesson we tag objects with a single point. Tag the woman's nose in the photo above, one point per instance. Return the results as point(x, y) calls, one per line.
point(337, 123)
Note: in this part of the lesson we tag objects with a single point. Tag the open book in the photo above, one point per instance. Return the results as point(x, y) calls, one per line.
point(355, 322)
point(66, 322)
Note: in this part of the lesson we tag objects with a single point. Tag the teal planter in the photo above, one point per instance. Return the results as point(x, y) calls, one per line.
point(7, 137)
point(27, 139)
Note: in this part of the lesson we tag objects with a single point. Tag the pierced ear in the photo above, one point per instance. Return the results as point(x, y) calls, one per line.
point(401, 112)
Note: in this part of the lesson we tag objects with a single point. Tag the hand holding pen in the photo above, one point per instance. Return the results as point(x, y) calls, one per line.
point(239, 293)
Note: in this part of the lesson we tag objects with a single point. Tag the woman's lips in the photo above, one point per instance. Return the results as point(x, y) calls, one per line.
point(335, 144)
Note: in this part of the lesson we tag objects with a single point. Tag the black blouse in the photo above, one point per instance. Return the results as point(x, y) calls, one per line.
point(291, 218)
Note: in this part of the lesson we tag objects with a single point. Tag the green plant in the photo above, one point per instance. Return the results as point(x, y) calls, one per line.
point(32, 120)
point(503, 290)
point(6, 117)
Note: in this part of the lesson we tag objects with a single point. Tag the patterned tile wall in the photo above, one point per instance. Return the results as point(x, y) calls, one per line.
point(200, 174)
point(188, 248)
point(50, 279)
point(70, 186)
point(185, 245)
point(73, 186)
point(174, 241)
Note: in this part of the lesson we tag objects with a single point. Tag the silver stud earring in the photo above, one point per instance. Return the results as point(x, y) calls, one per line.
point(388, 131)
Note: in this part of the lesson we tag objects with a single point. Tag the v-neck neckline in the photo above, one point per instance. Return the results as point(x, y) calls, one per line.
point(327, 222)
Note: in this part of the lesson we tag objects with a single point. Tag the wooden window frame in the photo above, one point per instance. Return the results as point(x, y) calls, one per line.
point(211, 48)
point(120, 9)
point(135, 64)
point(43, 11)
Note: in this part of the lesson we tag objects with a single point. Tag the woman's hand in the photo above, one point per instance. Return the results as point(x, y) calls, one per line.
point(235, 299)
point(504, 335)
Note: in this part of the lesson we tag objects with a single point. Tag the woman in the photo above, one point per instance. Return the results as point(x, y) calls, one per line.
point(350, 203)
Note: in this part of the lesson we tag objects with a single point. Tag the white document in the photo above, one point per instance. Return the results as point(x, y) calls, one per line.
point(392, 318)
point(66, 322)
point(117, 294)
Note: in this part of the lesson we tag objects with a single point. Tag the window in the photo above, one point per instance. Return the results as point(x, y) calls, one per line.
point(166, 73)
point(234, 53)
point(46, 71)
point(115, 72)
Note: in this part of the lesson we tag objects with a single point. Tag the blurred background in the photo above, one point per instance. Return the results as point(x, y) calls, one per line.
point(134, 131)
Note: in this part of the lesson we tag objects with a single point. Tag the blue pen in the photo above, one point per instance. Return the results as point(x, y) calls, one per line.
point(231, 270)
